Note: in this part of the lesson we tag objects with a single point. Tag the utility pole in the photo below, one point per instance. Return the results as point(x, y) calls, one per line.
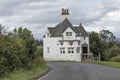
point(99, 57)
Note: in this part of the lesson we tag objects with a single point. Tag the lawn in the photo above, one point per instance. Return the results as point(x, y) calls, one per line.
point(106, 63)
point(32, 74)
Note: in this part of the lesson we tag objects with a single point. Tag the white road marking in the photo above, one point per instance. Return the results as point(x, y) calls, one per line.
point(45, 75)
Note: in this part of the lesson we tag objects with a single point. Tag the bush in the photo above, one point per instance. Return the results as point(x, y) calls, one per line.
point(39, 52)
point(116, 59)
point(112, 52)
point(17, 51)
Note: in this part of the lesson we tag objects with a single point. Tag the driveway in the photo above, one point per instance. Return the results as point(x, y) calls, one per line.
point(80, 71)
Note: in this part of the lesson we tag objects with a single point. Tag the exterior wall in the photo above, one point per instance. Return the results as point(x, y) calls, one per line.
point(50, 43)
point(69, 37)
point(54, 50)
point(54, 45)
point(69, 56)
point(64, 17)
point(83, 41)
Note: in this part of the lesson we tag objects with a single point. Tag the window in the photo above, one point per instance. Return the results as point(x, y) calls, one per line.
point(68, 33)
point(61, 43)
point(84, 37)
point(78, 50)
point(78, 42)
point(71, 50)
point(62, 50)
point(48, 50)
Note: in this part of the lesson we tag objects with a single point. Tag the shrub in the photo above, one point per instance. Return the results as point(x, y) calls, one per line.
point(113, 52)
point(116, 59)
point(39, 52)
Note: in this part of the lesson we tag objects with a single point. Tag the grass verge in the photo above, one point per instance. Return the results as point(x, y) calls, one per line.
point(32, 74)
point(105, 63)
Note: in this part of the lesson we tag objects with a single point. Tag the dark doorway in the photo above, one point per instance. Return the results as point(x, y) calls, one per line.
point(84, 50)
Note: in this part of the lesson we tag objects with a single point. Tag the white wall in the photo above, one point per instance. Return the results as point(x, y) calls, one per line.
point(52, 44)
point(69, 37)
point(63, 17)
point(69, 56)
point(54, 47)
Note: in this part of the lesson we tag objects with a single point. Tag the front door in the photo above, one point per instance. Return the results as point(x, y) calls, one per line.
point(84, 49)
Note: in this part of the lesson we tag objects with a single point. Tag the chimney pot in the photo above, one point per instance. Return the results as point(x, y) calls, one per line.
point(65, 14)
point(67, 11)
point(62, 10)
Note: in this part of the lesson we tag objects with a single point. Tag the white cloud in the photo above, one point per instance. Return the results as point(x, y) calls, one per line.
point(38, 14)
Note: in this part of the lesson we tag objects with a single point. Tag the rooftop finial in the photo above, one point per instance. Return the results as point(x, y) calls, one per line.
point(80, 24)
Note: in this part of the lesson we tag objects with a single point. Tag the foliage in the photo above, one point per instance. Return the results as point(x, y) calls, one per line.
point(32, 74)
point(105, 63)
point(39, 42)
point(104, 43)
point(106, 35)
point(95, 42)
point(17, 50)
point(39, 52)
point(97, 45)
point(116, 58)
point(112, 52)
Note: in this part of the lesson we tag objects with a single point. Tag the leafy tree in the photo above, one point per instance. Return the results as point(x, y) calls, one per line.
point(39, 42)
point(97, 45)
point(106, 35)
point(17, 50)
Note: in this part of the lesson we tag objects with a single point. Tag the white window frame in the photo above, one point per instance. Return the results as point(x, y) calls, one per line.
point(68, 33)
point(77, 49)
point(62, 50)
point(48, 50)
point(70, 50)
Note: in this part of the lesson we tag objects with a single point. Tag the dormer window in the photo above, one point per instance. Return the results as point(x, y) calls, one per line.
point(68, 33)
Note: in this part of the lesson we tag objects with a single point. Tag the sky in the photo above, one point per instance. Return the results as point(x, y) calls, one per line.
point(37, 15)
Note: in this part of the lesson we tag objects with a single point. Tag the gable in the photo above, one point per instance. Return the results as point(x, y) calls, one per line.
point(68, 30)
point(69, 34)
point(59, 29)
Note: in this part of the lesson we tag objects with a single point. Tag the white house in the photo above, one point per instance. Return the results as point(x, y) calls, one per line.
point(65, 41)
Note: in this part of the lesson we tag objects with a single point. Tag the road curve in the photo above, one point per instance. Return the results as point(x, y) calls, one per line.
point(80, 71)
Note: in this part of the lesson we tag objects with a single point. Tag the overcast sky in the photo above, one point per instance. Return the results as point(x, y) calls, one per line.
point(37, 15)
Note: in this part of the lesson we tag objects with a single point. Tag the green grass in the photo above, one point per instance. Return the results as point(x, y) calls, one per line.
point(106, 63)
point(32, 74)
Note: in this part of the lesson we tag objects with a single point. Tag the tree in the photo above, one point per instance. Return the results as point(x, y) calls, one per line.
point(106, 35)
point(17, 50)
point(27, 36)
point(97, 45)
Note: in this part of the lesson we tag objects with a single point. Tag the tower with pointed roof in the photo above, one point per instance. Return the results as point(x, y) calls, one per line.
point(66, 41)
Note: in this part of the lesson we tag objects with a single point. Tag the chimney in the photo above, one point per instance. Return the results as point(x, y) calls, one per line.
point(65, 14)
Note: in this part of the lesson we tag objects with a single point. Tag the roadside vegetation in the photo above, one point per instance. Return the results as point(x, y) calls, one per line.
point(106, 44)
point(20, 59)
point(106, 63)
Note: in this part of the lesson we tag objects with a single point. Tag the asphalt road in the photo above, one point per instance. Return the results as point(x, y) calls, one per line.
point(80, 71)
